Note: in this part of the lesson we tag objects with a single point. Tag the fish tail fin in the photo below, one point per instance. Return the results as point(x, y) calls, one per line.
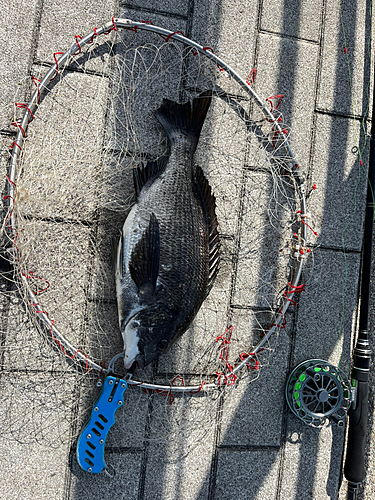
point(185, 118)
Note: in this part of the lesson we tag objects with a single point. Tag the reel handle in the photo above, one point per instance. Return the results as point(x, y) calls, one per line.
point(355, 455)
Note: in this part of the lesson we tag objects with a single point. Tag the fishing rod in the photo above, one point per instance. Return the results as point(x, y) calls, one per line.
point(358, 414)
point(317, 391)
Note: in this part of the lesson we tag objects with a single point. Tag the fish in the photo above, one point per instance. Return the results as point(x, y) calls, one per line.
point(168, 255)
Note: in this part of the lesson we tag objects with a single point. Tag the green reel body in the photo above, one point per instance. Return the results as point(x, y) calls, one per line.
point(318, 392)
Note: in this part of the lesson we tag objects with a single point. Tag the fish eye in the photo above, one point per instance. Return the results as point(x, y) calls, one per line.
point(162, 345)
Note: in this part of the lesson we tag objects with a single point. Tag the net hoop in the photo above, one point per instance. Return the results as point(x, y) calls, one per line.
point(17, 147)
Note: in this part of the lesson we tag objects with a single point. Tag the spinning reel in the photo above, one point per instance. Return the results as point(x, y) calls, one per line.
point(319, 393)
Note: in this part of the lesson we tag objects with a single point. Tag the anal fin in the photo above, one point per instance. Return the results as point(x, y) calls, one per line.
point(208, 202)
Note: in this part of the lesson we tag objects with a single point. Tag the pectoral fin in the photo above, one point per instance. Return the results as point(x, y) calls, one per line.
point(144, 261)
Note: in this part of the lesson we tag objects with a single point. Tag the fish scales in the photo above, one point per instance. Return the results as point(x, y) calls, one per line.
point(167, 256)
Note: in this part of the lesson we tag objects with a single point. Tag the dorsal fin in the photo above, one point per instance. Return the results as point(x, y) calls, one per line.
point(208, 202)
point(152, 169)
point(145, 257)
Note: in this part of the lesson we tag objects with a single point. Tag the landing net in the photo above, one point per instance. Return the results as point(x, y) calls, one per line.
point(90, 121)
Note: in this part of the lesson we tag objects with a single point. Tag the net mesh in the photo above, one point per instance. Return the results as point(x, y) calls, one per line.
point(73, 190)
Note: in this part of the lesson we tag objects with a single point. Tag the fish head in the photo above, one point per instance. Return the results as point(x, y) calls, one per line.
point(143, 344)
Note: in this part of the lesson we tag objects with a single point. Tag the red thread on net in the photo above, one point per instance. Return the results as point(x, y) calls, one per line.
point(167, 38)
point(251, 76)
point(134, 28)
point(314, 186)
point(283, 324)
point(361, 162)
point(205, 49)
point(283, 132)
point(9, 197)
point(199, 389)
point(114, 27)
point(225, 342)
point(15, 144)
point(228, 376)
point(93, 36)
point(57, 63)
point(34, 80)
point(6, 197)
point(305, 223)
point(10, 181)
point(30, 276)
point(78, 38)
point(252, 356)
point(147, 22)
point(21, 105)
point(34, 306)
point(278, 98)
point(294, 289)
point(170, 395)
point(177, 377)
point(17, 124)
point(275, 120)
point(345, 50)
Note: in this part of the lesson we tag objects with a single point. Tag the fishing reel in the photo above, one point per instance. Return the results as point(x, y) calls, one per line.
point(319, 393)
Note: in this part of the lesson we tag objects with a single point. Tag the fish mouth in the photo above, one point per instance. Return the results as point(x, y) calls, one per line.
point(140, 359)
point(140, 348)
point(133, 363)
point(131, 339)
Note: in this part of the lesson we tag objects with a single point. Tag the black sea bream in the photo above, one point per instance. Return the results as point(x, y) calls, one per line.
point(168, 254)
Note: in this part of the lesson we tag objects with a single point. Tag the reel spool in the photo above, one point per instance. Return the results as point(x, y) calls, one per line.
point(317, 391)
